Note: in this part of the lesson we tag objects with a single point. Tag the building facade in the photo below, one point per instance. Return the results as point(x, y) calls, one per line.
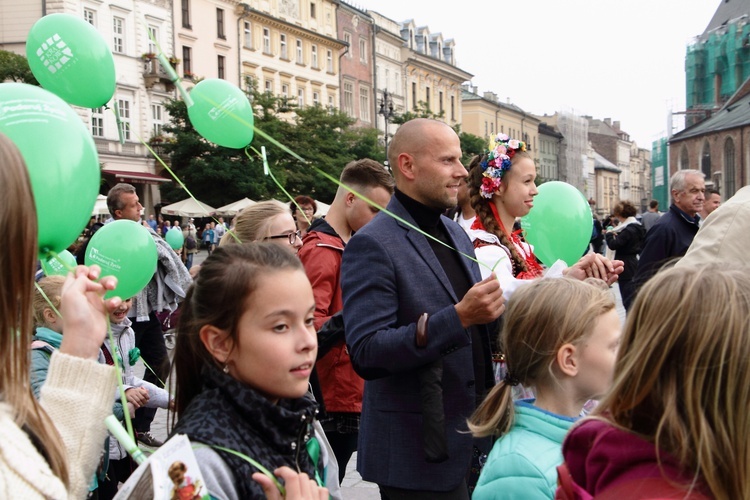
point(132, 29)
point(432, 78)
point(358, 99)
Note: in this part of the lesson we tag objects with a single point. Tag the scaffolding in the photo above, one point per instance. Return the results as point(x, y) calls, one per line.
point(716, 65)
point(575, 130)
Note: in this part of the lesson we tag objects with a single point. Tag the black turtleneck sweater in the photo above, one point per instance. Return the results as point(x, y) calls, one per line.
point(428, 220)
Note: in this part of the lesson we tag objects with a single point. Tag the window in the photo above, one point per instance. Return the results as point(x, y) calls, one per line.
point(300, 58)
point(364, 104)
point(706, 160)
point(89, 16)
point(427, 98)
point(221, 67)
point(153, 35)
point(729, 170)
point(118, 31)
point(282, 44)
point(157, 118)
point(440, 102)
point(329, 61)
point(97, 122)
point(316, 98)
point(186, 13)
point(220, 24)
point(266, 41)
point(285, 90)
point(414, 95)
point(269, 86)
point(248, 36)
point(312, 10)
point(387, 78)
point(124, 108)
point(453, 108)
point(314, 61)
point(348, 40)
point(187, 61)
point(300, 97)
point(362, 51)
point(349, 98)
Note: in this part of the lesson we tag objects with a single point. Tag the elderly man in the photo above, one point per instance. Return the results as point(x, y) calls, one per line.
point(168, 286)
point(415, 314)
point(673, 233)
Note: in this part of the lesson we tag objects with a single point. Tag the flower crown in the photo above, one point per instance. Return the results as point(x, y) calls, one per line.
point(496, 162)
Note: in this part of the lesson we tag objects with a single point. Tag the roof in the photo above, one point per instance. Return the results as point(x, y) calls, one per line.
point(734, 115)
point(727, 11)
point(136, 177)
point(601, 163)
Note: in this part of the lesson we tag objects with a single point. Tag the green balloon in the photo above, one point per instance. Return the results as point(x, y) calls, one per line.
point(123, 249)
point(69, 57)
point(59, 265)
point(559, 226)
point(221, 113)
point(61, 157)
point(174, 238)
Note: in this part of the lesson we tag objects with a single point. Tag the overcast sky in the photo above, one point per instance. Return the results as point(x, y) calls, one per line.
point(623, 60)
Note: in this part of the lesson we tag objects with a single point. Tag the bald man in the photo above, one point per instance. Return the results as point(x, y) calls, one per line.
point(418, 324)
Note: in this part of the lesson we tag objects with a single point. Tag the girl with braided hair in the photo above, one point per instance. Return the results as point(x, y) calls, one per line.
point(501, 187)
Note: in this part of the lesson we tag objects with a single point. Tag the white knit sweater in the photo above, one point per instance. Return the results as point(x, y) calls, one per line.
point(77, 395)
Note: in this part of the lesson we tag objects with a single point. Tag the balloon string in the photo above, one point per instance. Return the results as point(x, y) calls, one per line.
point(119, 122)
point(374, 205)
point(173, 77)
point(252, 462)
point(49, 302)
point(328, 177)
point(152, 371)
point(177, 179)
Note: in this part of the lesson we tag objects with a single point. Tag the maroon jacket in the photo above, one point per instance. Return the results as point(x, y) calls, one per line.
point(605, 462)
point(321, 254)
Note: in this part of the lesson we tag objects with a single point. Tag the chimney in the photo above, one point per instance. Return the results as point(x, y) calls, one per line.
point(608, 121)
point(616, 125)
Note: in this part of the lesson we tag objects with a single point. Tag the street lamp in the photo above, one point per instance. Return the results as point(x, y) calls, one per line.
point(386, 109)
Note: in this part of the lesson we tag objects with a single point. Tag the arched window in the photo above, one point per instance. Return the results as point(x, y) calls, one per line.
point(684, 161)
point(706, 161)
point(728, 168)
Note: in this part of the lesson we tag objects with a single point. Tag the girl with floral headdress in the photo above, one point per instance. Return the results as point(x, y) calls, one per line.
point(502, 188)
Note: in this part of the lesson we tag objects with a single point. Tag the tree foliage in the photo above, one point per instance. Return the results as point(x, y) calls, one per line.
point(15, 68)
point(323, 137)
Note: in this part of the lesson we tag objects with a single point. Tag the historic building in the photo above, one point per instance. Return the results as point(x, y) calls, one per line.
point(132, 29)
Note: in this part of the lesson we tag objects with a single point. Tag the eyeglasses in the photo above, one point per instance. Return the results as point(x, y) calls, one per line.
point(292, 237)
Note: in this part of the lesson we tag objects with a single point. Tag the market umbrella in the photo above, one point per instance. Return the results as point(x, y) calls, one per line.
point(234, 208)
point(188, 208)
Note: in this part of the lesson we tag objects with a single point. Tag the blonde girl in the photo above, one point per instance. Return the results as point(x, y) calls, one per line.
point(560, 339)
point(268, 220)
point(676, 423)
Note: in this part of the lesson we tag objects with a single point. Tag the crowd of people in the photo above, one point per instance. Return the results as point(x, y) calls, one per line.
point(412, 324)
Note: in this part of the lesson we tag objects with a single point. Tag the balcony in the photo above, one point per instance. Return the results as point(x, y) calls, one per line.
point(154, 74)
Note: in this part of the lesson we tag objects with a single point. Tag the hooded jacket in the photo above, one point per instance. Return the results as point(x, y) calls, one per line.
point(604, 462)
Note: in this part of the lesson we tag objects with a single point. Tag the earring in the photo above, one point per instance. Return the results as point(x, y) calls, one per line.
point(225, 369)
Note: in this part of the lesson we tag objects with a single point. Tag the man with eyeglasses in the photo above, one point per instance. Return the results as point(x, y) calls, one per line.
point(321, 255)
